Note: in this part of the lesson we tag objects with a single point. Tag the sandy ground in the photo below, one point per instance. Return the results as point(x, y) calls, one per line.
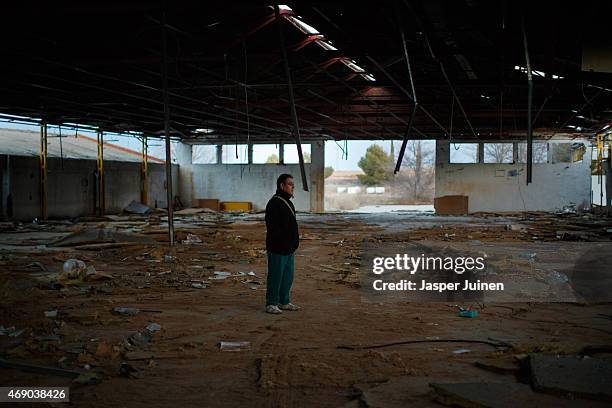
point(326, 355)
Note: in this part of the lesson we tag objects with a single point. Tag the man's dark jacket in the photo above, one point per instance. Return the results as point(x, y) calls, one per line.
point(282, 236)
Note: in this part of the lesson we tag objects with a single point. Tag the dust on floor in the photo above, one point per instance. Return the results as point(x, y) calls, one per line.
point(339, 349)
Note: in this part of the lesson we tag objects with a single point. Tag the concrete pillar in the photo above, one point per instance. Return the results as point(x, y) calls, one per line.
point(442, 153)
point(250, 153)
point(281, 153)
point(184, 156)
point(219, 154)
point(6, 187)
point(442, 158)
point(317, 176)
point(607, 167)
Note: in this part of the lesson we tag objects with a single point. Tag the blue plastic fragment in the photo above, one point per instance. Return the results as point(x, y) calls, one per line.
point(468, 313)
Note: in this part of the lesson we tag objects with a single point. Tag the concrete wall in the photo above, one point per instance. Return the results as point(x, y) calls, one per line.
point(253, 182)
point(231, 182)
point(71, 188)
point(502, 187)
point(317, 175)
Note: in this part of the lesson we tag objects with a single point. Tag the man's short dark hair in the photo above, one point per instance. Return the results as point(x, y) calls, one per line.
point(282, 178)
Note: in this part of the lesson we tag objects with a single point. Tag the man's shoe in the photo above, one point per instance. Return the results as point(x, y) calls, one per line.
point(273, 309)
point(289, 306)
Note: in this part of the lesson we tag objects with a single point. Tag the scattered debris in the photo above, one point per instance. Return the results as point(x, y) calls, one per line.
point(192, 239)
point(193, 211)
point(67, 344)
point(139, 339)
point(516, 227)
point(556, 278)
point(221, 275)
point(73, 269)
point(234, 345)
point(144, 337)
point(104, 349)
point(568, 235)
point(10, 331)
point(88, 237)
point(153, 327)
point(52, 314)
point(137, 208)
point(247, 281)
point(127, 370)
point(468, 313)
point(531, 256)
point(130, 311)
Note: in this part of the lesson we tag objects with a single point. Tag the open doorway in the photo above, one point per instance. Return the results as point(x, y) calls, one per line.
point(359, 176)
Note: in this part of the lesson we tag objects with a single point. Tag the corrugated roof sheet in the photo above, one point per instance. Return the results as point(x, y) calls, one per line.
point(16, 142)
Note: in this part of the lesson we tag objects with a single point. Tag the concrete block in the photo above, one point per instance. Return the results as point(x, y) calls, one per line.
point(500, 395)
point(584, 377)
point(211, 203)
point(451, 205)
point(236, 206)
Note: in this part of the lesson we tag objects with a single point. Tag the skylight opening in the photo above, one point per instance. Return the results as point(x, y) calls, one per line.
point(326, 45)
point(536, 72)
point(302, 26)
point(368, 77)
point(321, 41)
point(352, 65)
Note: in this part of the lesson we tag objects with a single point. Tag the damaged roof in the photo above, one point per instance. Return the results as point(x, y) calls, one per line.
point(14, 142)
point(100, 64)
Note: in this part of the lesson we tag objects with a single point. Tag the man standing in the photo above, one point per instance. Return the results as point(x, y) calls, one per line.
point(282, 239)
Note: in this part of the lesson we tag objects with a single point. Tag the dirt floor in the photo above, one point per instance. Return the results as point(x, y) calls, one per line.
point(336, 351)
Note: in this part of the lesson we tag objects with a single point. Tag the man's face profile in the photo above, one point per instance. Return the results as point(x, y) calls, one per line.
point(287, 186)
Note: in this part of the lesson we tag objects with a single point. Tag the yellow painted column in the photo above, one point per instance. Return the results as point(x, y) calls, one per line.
point(43, 171)
point(100, 168)
point(144, 194)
